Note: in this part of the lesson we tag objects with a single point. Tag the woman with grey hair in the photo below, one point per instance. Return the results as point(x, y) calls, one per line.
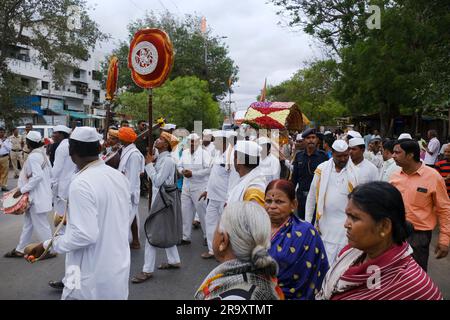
point(241, 243)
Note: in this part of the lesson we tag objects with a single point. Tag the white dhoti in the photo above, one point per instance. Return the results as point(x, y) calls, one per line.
point(37, 222)
point(134, 214)
point(213, 213)
point(150, 257)
point(189, 205)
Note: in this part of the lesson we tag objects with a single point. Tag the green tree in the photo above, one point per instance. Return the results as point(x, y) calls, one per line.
point(395, 67)
point(402, 66)
point(181, 101)
point(50, 27)
point(11, 89)
point(59, 30)
point(189, 47)
point(312, 88)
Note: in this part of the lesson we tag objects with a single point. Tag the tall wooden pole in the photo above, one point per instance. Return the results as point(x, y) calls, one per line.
point(108, 119)
point(150, 143)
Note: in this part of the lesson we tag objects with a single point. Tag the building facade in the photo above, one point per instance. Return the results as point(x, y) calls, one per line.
point(79, 101)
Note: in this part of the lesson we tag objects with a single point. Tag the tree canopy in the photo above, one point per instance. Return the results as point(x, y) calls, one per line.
point(403, 65)
point(181, 101)
point(59, 30)
point(189, 46)
point(312, 89)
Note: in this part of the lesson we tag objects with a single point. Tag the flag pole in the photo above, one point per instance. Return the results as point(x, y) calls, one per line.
point(150, 143)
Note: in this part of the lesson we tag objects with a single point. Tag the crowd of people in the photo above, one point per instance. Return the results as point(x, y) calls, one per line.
point(311, 218)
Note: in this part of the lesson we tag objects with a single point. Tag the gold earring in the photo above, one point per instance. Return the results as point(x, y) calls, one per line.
point(221, 247)
point(383, 234)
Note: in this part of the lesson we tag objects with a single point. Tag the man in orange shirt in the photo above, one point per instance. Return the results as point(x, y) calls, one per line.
point(426, 201)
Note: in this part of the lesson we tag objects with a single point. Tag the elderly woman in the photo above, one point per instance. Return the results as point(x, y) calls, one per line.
point(377, 263)
point(241, 243)
point(296, 245)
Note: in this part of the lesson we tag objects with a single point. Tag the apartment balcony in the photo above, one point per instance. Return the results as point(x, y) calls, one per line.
point(26, 68)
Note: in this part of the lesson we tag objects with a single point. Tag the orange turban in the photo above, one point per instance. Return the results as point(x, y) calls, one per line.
point(170, 138)
point(127, 135)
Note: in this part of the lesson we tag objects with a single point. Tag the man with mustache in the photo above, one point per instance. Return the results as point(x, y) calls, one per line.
point(327, 198)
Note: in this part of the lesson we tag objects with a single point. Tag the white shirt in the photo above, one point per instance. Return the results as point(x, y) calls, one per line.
point(211, 149)
point(331, 225)
point(229, 165)
point(162, 172)
point(389, 167)
point(443, 148)
point(434, 146)
point(376, 159)
point(254, 179)
point(367, 172)
point(218, 179)
point(96, 236)
point(5, 147)
point(63, 170)
point(270, 167)
point(35, 178)
point(132, 165)
point(199, 164)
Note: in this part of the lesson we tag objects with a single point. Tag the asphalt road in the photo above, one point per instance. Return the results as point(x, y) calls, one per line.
point(22, 280)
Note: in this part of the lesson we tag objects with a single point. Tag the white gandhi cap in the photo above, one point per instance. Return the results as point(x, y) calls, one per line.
point(405, 136)
point(340, 146)
point(85, 134)
point(193, 136)
point(354, 134)
point(356, 142)
point(263, 140)
point(34, 136)
point(250, 148)
point(61, 128)
point(219, 134)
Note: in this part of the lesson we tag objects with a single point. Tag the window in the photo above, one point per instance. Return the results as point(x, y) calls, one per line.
point(76, 73)
point(96, 94)
point(96, 75)
point(44, 85)
point(45, 65)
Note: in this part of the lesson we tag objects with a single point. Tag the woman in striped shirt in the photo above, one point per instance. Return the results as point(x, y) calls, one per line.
point(377, 263)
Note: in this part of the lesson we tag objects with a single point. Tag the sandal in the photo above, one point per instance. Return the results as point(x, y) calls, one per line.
point(207, 255)
point(167, 266)
point(141, 277)
point(14, 254)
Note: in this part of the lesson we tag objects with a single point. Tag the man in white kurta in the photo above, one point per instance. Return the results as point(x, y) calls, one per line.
point(374, 154)
point(34, 179)
point(368, 172)
point(160, 173)
point(96, 237)
point(207, 142)
point(252, 183)
point(328, 196)
point(217, 189)
point(132, 166)
point(269, 163)
point(229, 154)
point(389, 165)
point(63, 170)
point(195, 166)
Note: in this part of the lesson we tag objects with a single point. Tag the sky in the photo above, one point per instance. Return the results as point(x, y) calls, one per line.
point(258, 44)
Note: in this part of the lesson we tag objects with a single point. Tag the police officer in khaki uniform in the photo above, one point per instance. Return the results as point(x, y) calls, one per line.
point(26, 151)
point(16, 152)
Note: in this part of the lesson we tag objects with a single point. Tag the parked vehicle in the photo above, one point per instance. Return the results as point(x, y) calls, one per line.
point(46, 132)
